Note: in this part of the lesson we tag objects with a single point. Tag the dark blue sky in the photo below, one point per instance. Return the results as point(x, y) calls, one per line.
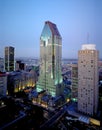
point(22, 21)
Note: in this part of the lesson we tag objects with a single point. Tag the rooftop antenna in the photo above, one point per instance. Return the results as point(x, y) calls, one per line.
point(87, 38)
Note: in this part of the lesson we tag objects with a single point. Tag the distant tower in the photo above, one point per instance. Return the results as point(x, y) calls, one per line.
point(50, 78)
point(88, 79)
point(9, 58)
point(19, 65)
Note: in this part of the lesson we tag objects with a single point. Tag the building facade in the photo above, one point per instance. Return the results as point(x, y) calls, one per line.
point(3, 84)
point(20, 80)
point(50, 78)
point(88, 58)
point(9, 58)
point(1, 64)
point(19, 65)
point(74, 77)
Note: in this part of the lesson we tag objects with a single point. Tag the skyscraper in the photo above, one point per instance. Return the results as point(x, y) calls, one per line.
point(50, 78)
point(9, 58)
point(88, 79)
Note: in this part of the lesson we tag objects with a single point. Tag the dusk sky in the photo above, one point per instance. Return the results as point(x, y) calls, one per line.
point(78, 21)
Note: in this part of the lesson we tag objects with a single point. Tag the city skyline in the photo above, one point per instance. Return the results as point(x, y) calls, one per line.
point(21, 23)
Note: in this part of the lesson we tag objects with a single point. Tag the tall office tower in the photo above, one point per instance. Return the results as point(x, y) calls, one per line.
point(88, 79)
point(50, 78)
point(9, 58)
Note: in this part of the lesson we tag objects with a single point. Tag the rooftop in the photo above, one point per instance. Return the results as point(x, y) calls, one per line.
point(89, 47)
point(53, 28)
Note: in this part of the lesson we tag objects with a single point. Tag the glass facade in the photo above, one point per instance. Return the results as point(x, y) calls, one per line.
point(9, 58)
point(50, 60)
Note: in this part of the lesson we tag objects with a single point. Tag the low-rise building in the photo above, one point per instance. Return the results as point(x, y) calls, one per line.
point(20, 80)
point(1, 64)
point(3, 84)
